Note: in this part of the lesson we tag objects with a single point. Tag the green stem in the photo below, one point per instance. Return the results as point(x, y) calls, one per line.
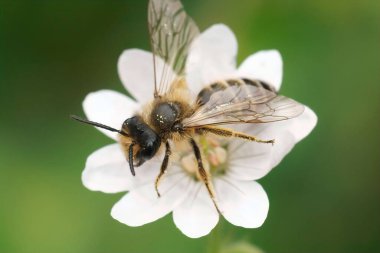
point(214, 239)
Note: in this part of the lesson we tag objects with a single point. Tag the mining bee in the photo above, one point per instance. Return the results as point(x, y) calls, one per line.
point(174, 116)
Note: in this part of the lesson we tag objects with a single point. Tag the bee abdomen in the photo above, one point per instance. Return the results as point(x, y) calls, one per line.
point(205, 94)
point(260, 84)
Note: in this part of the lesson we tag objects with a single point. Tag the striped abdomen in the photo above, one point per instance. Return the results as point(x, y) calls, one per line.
point(205, 94)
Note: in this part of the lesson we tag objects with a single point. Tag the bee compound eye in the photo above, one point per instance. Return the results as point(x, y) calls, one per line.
point(126, 123)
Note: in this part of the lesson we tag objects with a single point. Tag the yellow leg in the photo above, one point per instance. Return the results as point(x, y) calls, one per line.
point(224, 132)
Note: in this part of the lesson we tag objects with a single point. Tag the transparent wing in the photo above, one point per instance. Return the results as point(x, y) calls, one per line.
point(171, 32)
point(244, 104)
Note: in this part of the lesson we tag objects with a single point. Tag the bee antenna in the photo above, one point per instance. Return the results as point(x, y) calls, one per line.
point(98, 125)
point(131, 166)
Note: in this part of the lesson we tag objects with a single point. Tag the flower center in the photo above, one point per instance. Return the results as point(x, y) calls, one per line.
point(214, 157)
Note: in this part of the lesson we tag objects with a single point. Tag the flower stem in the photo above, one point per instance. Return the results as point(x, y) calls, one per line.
point(214, 239)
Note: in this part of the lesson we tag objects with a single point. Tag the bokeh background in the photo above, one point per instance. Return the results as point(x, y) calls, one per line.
point(324, 196)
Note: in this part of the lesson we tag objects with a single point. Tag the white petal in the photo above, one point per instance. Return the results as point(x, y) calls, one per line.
point(252, 161)
point(212, 57)
point(242, 203)
point(107, 170)
point(265, 66)
point(136, 72)
point(301, 126)
point(142, 206)
point(197, 215)
point(109, 108)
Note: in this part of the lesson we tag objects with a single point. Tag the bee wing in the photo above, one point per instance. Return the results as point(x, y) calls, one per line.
point(244, 104)
point(171, 33)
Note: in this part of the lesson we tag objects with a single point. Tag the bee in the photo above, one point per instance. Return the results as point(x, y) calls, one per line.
point(173, 116)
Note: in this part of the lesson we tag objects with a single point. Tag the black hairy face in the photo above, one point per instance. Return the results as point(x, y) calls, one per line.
point(144, 136)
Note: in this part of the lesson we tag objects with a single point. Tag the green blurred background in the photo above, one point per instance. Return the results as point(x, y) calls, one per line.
point(324, 196)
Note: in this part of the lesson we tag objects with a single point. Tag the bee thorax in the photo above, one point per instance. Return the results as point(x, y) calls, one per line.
point(165, 115)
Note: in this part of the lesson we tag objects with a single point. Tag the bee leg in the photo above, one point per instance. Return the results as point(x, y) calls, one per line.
point(225, 132)
point(164, 166)
point(203, 174)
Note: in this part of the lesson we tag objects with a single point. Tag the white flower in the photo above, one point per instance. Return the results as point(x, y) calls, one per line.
point(234, 164)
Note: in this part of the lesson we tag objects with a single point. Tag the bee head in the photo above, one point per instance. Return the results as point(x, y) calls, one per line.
point(145, 141)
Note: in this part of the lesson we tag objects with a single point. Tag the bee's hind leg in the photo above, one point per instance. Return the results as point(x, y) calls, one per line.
point(225, 132)
point(164, 166)
point(203, 174)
